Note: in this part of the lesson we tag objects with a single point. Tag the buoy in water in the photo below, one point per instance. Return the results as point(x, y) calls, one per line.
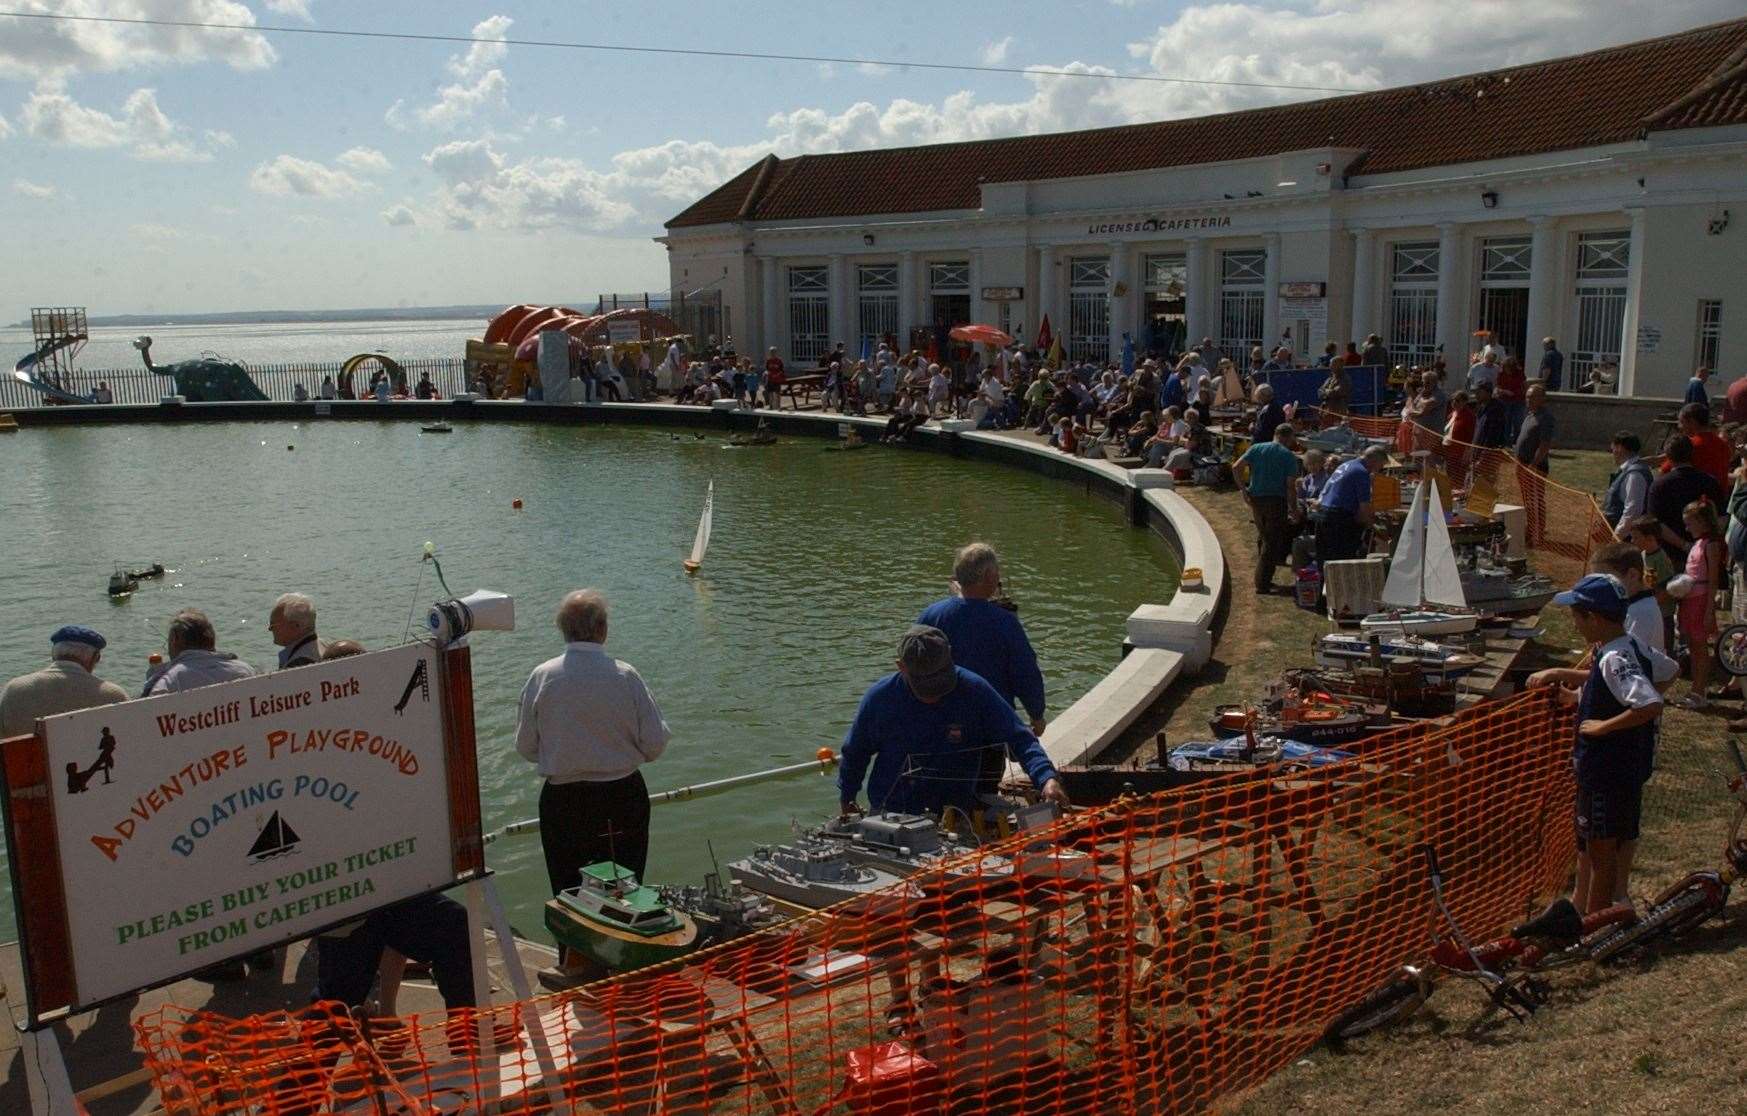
point(825, 755)
point(288, 449)
point(516, 503)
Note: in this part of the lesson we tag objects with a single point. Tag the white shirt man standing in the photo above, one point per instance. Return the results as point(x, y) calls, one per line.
point(1486, 371)
point(588, 722)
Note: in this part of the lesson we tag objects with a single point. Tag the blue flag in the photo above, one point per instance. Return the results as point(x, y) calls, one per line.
point(867, 349)
point(1127, 355)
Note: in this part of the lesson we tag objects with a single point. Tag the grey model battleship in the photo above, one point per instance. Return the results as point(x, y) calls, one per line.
point(812, 872)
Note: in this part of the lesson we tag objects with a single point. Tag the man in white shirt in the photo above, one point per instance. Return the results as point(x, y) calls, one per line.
point(589, 723)
point(1485, 372)
point(292, 625)
point(993, 397)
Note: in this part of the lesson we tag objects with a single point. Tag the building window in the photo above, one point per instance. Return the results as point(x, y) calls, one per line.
point(1504, 293)
point(877, 304)
point(1710, 331)
point(949, 298)
point(1004, 317)
point(1413, 303)
point(1603, 259)
point(1166, 311)
point(809, 313)
point(1089, 309)
point(1242, 279)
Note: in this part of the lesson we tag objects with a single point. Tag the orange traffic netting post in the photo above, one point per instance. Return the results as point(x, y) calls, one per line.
point(1155, 954)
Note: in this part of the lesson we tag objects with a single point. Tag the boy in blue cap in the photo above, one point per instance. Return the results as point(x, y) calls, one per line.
point(1618, 705)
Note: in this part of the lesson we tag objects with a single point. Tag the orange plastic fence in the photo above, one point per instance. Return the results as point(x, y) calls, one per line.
point(1160, 954)
point(1564, 524)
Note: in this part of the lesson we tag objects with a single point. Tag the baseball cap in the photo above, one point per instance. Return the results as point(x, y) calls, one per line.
point(927, 660)
point(1598, 593)
point(79, 633)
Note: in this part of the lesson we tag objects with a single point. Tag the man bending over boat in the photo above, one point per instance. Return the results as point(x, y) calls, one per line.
point(925, 729)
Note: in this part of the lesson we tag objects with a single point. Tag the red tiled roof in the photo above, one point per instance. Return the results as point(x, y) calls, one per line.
point(1697, 78)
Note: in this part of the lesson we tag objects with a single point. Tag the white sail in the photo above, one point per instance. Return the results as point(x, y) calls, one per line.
point(1407, 567)
point(1443, 582)
point(702, 541)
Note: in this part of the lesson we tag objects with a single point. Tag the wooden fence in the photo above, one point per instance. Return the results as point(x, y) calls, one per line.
point(277, 381)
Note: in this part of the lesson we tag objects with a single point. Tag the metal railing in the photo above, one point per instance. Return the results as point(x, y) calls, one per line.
point(278, 381)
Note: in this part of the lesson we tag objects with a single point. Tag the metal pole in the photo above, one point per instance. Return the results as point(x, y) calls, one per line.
point(824, 762)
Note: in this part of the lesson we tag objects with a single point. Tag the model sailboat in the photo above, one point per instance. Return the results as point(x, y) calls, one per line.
point(701, 542)
point(1423, 574)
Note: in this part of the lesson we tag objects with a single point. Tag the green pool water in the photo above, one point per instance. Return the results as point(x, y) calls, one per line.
point(818, 561)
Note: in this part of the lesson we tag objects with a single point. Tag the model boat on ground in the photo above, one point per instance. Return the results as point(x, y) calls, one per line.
point(723, 910)
point(1492, 589)
point(907, 844)
point(1423, 594)
point(1398, 687)
point(614, 919)
point(1434, 660)
point(1325, 722)
point(1241, 752)
point(812, 872)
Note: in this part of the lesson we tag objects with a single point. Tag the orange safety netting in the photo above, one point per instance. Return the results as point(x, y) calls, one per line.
point(1157, 954)
point(1564, 525)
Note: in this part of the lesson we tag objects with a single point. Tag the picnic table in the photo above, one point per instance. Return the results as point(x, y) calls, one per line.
point(799, 389)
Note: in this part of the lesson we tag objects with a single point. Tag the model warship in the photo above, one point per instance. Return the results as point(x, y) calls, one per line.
point(908, 844)
point(614, 919)
point(812, 872)
point(1436, 661)
point(722, 910)
point(1249, 751)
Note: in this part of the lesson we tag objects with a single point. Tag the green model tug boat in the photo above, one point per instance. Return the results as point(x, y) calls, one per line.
point(612, 918)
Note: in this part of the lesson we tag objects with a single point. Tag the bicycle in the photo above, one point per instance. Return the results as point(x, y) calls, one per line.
point(1507, 967)
point(1700, 896)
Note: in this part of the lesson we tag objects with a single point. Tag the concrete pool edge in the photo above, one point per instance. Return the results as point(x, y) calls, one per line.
point(1165, 642)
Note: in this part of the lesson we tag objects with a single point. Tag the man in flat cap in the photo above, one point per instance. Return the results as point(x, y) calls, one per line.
point(64, 685)
point(925, 729)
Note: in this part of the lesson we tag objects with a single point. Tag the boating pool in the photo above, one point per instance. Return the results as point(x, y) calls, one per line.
point(818, 561)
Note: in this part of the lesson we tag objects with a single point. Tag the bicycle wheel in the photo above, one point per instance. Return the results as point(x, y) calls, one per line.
point(1390, 1004)
point(1690, 907)
point(1731, 649)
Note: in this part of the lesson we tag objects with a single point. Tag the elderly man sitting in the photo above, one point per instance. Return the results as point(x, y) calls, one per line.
point(194, 658)
point(292, 624)
point(66, 684)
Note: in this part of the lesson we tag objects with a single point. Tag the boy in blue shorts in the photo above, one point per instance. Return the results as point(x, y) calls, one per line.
point(1618, 705)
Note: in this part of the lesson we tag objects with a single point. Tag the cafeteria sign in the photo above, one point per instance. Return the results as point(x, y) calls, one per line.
point(191, 828)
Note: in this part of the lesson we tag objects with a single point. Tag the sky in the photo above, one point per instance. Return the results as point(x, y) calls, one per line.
point(151, 170)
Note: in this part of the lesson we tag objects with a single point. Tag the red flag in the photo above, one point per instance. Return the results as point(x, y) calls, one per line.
point(1044, 337)
point(933, 353)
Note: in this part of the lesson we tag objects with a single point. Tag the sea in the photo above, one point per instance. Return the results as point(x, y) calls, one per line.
point(111, 347)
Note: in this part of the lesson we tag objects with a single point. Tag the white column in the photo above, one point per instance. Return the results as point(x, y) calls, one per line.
point(1271, 292)
point(1452, 331)
point(1364, 285)
point(1199, 301)
point(1120, 273)
point(772, 304)
point(842, 327)
point(1046, 293)
point(976, 279)
point(1634, 296)
point(907, 299)
point(1543, 289)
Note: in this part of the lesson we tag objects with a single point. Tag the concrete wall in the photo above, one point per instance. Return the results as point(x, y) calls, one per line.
point(1589, 421)
point(1690, 264)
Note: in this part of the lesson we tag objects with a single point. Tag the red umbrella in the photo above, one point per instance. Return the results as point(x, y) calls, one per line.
point(982, 335)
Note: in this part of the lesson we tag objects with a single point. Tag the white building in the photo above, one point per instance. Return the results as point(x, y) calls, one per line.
point(1599, 199)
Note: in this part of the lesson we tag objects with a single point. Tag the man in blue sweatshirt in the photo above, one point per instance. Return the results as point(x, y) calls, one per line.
point(988, 640)
point(924, 731)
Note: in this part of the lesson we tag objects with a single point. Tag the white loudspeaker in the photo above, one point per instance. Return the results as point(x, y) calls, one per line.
point(480, 611)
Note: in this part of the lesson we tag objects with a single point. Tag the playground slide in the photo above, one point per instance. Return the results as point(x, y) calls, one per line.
point(49, 348)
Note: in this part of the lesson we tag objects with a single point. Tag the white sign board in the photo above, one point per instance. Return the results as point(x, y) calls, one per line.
point(199, 826)
point(1649, 338)
point(624, 332)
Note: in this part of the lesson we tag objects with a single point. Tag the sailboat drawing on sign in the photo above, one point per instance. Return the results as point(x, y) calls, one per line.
point(702, 541)
point(1423, 574)
point(276, 839)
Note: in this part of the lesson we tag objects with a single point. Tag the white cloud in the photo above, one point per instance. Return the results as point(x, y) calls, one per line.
point(156, 233)
point(288, 175)
point(33, 48)
point(399, 215)
point(483, 188)
point(995, 53)
point(6, 129)
point(482, 56)
point(28, 189)
point(461, 100)
point(52, 115)
point(298, 8)
point(364, 160)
